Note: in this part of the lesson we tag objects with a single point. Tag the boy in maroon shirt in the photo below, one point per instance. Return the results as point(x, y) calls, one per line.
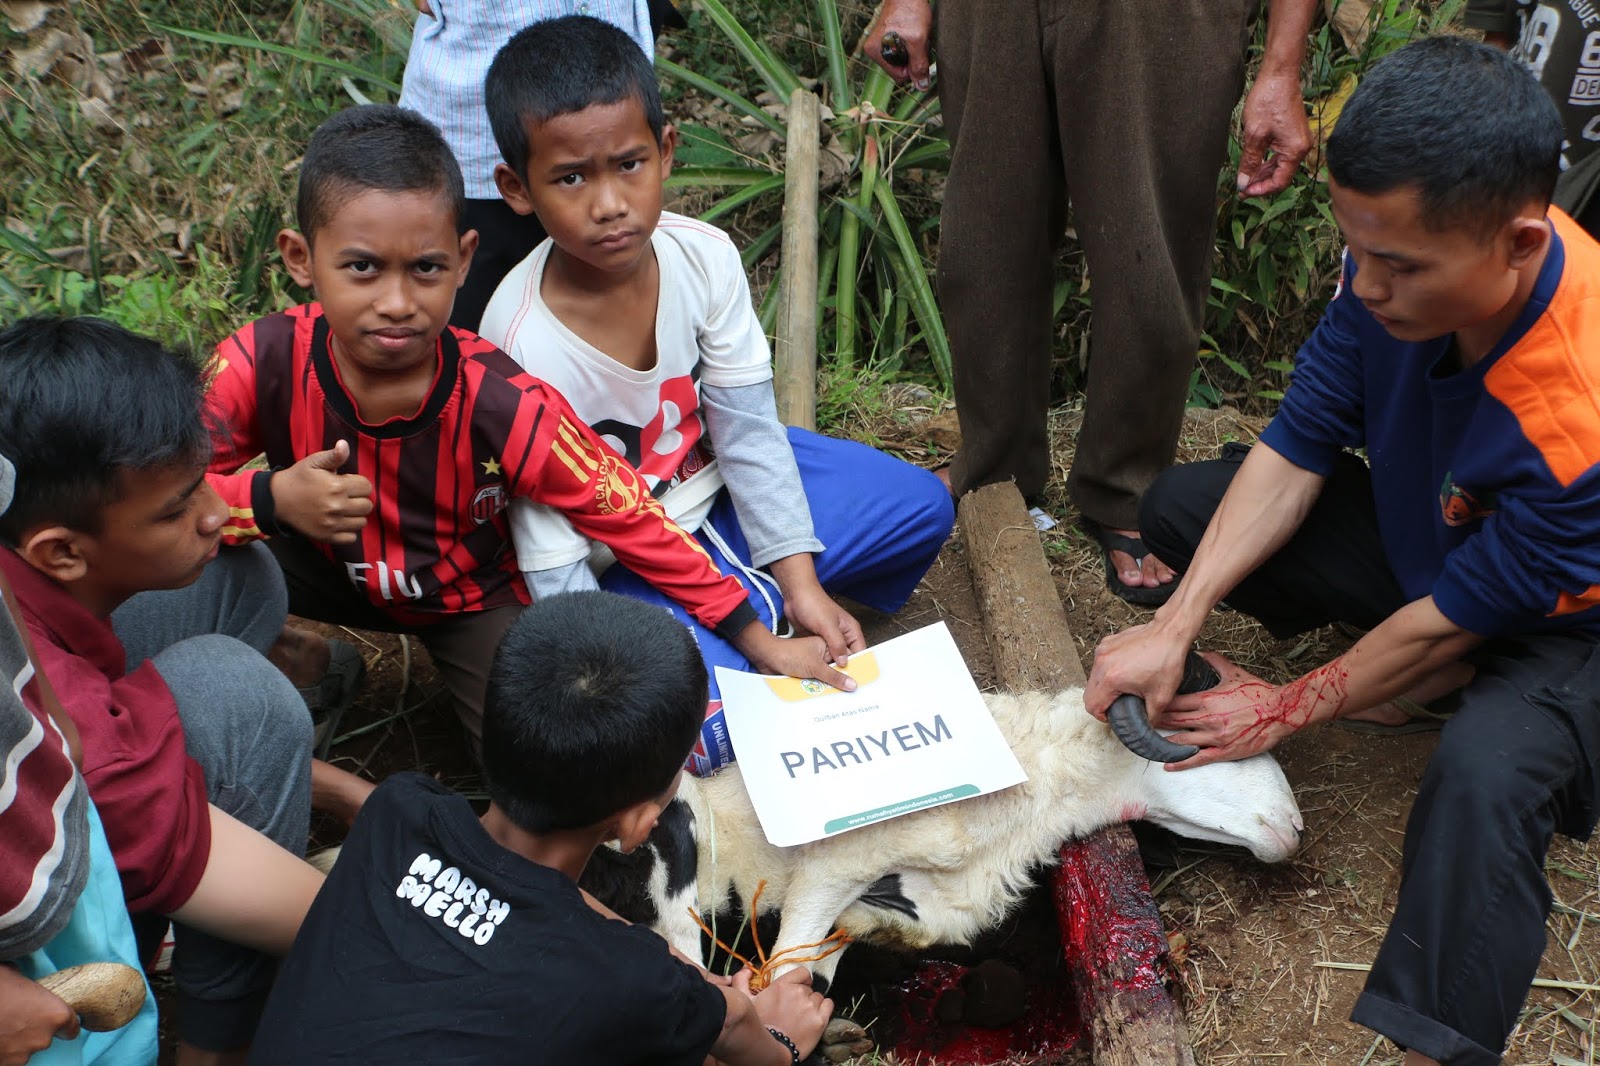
point(196, 750)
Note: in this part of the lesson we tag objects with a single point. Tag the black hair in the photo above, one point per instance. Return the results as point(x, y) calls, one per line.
point(81, 401)
point(374, 146)
point(593, 704)
point(1462, 122)
point(561, 66)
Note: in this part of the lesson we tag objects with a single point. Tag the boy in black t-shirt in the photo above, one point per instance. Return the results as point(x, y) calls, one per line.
point(441, 936)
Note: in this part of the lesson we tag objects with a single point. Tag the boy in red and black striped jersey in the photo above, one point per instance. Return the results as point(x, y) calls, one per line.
point(396, 442)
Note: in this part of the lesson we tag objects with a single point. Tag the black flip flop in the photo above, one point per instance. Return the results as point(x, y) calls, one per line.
point(1109, 542)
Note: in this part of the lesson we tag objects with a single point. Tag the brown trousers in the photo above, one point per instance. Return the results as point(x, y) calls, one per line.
point(462, 646)
point(1124, 104)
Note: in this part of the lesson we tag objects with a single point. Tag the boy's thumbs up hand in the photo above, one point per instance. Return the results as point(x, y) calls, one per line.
point(315, 499)
point(330, 459)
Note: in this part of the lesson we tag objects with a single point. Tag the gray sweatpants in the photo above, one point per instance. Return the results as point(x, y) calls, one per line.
point(249, 730)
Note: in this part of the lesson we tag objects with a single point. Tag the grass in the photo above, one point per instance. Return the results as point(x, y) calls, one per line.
point(151, 170)
point(149, 173)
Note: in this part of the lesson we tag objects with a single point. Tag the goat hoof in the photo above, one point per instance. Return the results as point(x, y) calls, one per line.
point(846, 1052)
point(843, 1040)
point(843, 1030)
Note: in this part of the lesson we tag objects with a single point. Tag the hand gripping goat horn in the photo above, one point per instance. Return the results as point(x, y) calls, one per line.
point(1132, 725)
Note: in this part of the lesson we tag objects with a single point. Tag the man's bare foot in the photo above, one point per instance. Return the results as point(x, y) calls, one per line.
point(1153, 573)
point(942, 472)
point(1417, 1058)
point(301, 655)
point(1441, 682)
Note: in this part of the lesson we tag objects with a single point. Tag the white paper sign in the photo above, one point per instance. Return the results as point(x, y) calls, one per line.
point(914, 734)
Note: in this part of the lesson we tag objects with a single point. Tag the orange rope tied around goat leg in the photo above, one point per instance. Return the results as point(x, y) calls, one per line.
point(762, 969)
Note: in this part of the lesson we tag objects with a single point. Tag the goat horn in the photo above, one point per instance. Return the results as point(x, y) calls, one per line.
point(1132, 727)
point(1198, 675)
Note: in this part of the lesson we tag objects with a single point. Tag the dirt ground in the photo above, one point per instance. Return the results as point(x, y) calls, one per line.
point(1267, 954)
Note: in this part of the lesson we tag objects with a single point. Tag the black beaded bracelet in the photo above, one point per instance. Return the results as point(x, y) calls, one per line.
point(794, 1052)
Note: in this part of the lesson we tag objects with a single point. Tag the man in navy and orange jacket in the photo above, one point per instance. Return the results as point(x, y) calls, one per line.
point(1462, 352)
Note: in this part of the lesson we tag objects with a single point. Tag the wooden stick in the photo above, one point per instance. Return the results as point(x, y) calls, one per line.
point(795, 371)
point(1538, 982)
point(1119, 963)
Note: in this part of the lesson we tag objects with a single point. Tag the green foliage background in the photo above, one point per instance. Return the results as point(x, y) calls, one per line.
point(150, 168)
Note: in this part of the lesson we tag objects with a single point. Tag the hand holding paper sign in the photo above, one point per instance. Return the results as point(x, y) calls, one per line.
point(807, 604)
point(914, 733)
point(798, 657)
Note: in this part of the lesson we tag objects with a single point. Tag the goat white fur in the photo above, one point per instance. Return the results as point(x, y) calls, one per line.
point(966, 864)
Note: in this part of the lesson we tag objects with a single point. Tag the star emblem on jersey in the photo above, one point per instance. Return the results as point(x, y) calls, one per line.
point(491, 466)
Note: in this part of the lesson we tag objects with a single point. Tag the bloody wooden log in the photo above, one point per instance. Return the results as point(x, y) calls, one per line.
point(1118, 957)
point(795, 360)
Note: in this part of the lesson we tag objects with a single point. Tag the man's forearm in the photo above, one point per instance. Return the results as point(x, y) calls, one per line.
point(1261, 510)
point(1408, 646)
point(1405, 649)
point(1288, 29)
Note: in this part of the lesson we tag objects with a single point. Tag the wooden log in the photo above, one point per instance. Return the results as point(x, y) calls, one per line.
point(1022, 614)
point(1119, 963)
point(795, 368)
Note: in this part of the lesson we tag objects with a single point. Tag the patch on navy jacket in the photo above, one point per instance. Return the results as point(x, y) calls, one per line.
point(1461, 506)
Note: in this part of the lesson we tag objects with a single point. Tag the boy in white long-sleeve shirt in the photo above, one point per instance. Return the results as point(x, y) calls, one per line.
point(643, 320)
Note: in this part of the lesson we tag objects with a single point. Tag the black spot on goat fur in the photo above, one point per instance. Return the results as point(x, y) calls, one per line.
point(885, 893)
point(673, 841)
point(622, 882)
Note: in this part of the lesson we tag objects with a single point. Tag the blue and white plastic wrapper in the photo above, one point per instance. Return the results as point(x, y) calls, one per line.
point(713, 750)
